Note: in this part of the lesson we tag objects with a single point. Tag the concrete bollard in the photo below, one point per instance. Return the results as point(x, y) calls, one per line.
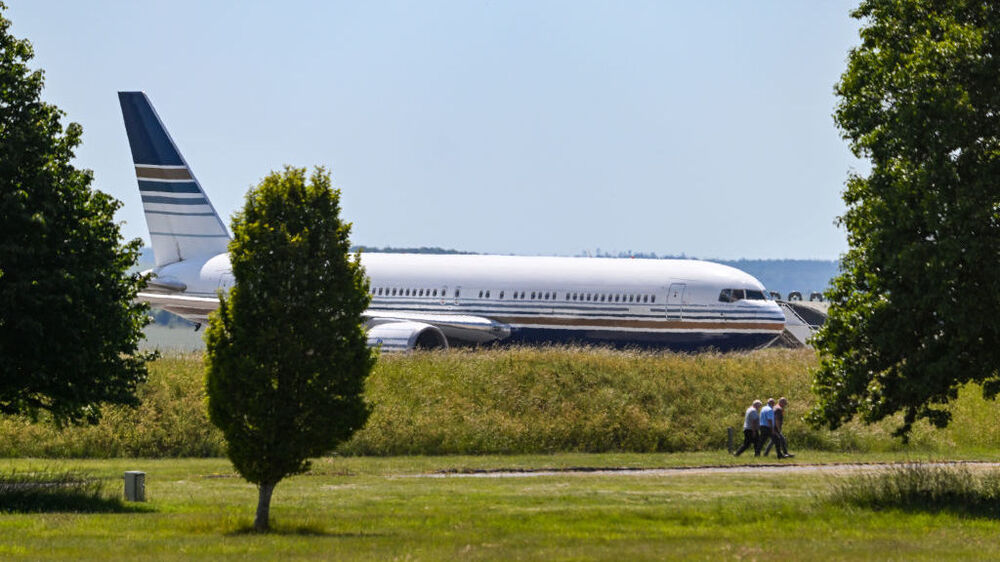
point(135, 486)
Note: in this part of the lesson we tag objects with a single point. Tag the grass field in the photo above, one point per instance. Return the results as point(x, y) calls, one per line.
point(375, 508)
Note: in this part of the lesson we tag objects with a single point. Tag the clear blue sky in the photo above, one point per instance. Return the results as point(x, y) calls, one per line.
point(701, 128)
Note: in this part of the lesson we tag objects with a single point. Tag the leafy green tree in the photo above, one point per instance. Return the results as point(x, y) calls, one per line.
point(287, 355)
point(915, 312)
point(69, 325)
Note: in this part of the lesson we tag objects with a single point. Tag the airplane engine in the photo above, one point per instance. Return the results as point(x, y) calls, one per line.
point(403, 335)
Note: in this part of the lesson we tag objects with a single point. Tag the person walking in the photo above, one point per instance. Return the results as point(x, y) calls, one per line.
point(778, 436)
point(766, 423)
point(751, 425)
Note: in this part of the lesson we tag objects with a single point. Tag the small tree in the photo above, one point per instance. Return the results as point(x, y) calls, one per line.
point(915, 313)
point(69, 325)
point(287, 356)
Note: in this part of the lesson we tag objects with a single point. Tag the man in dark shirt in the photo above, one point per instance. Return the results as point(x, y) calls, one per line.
point(777, 435)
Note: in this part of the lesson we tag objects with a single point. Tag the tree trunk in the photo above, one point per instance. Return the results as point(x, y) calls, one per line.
point(262, 523)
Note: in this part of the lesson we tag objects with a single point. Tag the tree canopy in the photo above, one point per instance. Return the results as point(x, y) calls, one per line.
point(287, 356)
point(69, 328)
point(915, 312)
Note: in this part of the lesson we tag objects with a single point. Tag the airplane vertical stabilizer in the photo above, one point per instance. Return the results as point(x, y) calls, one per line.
point(182, 221)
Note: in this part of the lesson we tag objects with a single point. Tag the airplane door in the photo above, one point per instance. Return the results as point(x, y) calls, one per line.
point(675, 301)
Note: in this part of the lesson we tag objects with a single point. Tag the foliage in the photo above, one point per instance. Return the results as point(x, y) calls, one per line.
point(69, 328)
point(915, 313)
point(287, 356)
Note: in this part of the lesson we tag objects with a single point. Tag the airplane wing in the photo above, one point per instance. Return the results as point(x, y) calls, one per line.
point(195, 309)
point(456, 327)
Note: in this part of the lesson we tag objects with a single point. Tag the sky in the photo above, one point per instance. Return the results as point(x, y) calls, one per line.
point(537, 127)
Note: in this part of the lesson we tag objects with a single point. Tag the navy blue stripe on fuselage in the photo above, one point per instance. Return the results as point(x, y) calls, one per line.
point(151, 186)
point(174, 200)
point(677, 341)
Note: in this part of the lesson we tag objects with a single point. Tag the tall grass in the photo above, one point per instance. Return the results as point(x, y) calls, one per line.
point(530, 400)
point(520, 400)
point(171, 422)
point(931, 488)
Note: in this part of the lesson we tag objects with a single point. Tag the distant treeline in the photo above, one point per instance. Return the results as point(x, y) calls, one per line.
point(420, 250)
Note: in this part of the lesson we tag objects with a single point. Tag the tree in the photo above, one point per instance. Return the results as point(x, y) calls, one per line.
point(287, 356)
point(915, 312)
point(69, 325)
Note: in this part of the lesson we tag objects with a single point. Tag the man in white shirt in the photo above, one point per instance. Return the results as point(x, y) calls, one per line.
point(751, 426)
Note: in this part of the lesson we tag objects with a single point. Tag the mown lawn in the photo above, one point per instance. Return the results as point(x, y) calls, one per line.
point(385, 508)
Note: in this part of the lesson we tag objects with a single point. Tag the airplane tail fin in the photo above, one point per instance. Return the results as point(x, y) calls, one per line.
point(182, 221)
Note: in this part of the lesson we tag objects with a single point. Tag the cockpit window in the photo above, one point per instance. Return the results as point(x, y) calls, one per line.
point(733, 295)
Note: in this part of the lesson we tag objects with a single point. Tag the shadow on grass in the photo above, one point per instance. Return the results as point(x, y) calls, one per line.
point(299, 530)
point(924, 489)
point(66, 503)
point(59, 491)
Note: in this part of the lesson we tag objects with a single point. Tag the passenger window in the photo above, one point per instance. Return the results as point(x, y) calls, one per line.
point(458, 293)
point(653, 299)
point(487, 294)
point(501, 294)
point(645, 298)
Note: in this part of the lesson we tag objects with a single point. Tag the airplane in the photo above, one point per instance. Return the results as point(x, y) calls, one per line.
point(421, 301)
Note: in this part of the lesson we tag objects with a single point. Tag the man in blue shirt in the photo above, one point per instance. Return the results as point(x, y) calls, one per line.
point(766, 423)
point(751, 425)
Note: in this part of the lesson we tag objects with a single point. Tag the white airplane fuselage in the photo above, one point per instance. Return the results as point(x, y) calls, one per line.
point(519, 299)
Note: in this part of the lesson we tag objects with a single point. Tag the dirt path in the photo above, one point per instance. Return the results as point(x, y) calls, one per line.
point(832, 468)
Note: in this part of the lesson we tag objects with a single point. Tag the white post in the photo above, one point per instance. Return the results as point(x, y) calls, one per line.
point(135, 486)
